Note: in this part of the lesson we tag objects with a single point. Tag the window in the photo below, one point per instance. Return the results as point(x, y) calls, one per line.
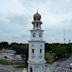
point(40, 50)
point(40, 35)
point(30, 69)
point(32, 50)
point(34, 34)
point(37, 24)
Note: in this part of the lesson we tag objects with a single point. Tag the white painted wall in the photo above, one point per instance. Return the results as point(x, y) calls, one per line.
point(36, 60)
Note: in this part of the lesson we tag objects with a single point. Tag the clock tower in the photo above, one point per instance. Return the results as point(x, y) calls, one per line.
point(36, 60)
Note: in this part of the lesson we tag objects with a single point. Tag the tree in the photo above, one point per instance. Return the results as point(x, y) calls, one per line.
point(5, 45)
point(69, 48)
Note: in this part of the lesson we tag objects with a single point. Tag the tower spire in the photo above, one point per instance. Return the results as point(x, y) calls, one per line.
point(37, 10)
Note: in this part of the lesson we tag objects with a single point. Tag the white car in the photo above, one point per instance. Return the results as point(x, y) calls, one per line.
point(70, 65)
point(24, 70)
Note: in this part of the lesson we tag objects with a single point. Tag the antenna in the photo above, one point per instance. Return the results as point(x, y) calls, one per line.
point(69, 40)
point(64, 37)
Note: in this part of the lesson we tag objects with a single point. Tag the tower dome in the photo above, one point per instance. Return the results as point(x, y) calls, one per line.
point(37, 16)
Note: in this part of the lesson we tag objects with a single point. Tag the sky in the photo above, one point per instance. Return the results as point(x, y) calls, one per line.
point(16, 18)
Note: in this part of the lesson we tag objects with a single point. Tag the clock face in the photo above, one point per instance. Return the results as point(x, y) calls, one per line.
point(32, 45)
point(34, 34)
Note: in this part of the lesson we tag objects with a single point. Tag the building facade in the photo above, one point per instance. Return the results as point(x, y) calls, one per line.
point(36, 60)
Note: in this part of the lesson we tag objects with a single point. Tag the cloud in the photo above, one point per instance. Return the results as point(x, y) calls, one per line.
point(16, 17)
point(14, 29)
point(60, 6)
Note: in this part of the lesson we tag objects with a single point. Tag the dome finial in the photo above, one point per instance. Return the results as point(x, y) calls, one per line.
point(37, 16)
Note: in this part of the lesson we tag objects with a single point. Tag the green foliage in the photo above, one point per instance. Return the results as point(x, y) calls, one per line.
point(4, 45)
point(49, 57)
point(69, 48)
point(53, 51)
point(21, 66)
point(19, 48)
point(5, 62)
point(57, 51)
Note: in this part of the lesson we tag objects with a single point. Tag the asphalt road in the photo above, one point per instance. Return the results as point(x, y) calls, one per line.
point(60, 69)
point(2, 70)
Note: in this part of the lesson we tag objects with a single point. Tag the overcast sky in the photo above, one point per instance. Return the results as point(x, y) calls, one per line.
point(16, 17)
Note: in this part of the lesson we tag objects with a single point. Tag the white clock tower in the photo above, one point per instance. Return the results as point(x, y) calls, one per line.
point(36, 60)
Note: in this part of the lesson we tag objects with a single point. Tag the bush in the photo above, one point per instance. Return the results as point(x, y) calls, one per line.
point(50, 57)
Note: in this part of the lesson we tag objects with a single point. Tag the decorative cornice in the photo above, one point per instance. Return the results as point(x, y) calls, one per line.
point(33, 22)
point(35, 41)
point(37, 30)
point(37, 62)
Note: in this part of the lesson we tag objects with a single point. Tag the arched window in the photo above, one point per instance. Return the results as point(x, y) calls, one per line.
point(37, 25)
point(32, 50)
point(40, 50)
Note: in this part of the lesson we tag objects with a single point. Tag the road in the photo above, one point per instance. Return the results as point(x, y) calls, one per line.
point(61, 69)
point(63, 66)
point(2, 70)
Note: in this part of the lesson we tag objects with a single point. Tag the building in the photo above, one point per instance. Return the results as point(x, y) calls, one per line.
point(36, 60)
point(7, 54)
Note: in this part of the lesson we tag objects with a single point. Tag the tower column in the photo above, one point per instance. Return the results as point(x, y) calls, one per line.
point(36, 60)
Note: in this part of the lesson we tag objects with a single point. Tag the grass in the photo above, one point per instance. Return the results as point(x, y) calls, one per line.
point(5, 62)
point(20, 66)
point(14, 63)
